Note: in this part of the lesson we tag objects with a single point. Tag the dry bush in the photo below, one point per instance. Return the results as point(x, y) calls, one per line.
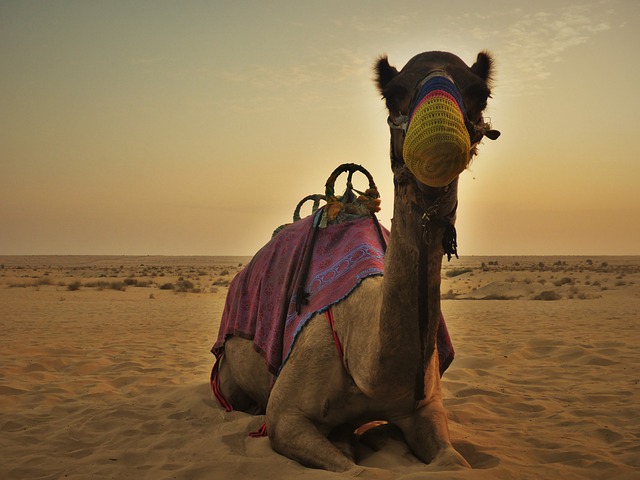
point(563, 281)
point(118, 285)
point(457, 272)
point(450, 295)
point(548, 295)
point(498, 296)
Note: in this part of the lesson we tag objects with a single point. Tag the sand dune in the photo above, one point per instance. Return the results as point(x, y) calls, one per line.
point(105, 362)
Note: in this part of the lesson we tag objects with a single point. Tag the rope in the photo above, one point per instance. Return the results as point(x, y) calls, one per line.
point(302, 296)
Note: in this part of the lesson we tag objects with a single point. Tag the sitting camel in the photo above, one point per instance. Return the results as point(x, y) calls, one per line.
point(386, 327)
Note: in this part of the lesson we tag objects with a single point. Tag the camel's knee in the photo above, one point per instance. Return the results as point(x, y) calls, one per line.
point(286, 432)
point(298, 438)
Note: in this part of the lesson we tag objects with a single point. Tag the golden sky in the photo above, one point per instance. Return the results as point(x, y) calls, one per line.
point(193, 128)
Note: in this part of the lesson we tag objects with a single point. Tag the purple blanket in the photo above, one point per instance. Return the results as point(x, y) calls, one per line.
point(261, 303)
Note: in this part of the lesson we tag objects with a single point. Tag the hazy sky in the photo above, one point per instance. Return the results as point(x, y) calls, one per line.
point(194, 127)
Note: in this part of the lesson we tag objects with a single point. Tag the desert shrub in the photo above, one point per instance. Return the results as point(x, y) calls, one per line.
point(130, 281)
point(457, 271)
point(450, 295)
point(118, 285)
point(563, 281)
point(167, 286)
point(497, 296)
point(72, 287)
point(184, 286)
point(548, 295)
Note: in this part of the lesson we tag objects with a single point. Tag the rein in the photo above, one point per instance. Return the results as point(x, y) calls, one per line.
point(430, 217)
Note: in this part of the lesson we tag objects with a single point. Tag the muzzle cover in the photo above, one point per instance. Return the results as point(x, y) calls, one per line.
point(437, 144)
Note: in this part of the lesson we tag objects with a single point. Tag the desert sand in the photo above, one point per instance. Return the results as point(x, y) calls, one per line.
point(105, 364)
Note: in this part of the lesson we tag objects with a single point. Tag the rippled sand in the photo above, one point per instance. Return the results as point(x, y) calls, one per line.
point(105, 374)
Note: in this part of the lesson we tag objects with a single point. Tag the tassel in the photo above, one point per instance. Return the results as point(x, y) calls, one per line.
point(302, 298)
point(450, 241)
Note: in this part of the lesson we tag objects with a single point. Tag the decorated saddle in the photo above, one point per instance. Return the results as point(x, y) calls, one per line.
point(307, 267)
point(263, 304)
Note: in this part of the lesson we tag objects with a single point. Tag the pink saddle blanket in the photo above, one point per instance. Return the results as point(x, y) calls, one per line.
point(261, 302)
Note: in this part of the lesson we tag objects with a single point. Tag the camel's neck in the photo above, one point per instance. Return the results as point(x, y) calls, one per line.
point(398, 344)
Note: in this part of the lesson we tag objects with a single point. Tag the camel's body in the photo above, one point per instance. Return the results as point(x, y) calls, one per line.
point(377, 323)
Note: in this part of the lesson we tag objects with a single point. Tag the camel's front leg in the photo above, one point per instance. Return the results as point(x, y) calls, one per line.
point(296, 437)
point(306, 401)
point(427, 434)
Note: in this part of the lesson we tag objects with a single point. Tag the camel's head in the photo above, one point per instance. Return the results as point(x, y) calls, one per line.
point(435, 113)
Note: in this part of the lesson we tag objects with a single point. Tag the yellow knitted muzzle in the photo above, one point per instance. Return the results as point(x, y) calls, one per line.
point(436, 146)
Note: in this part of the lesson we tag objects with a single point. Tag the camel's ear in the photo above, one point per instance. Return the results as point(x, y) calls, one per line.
point(384, 73)
point(393, 94)
point(483, 67)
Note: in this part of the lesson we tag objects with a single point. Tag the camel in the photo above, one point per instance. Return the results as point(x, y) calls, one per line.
point(388, 325)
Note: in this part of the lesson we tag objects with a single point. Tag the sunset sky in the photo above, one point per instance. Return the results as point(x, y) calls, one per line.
point(193, 128)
